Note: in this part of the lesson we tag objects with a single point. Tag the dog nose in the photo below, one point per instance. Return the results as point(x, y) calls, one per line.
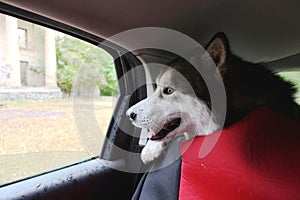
point(132, 116)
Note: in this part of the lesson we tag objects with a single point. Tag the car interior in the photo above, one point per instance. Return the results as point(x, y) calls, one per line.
point(259, 31)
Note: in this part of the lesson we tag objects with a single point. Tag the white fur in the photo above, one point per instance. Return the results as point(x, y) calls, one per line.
point(152, 150)
point(159, 108)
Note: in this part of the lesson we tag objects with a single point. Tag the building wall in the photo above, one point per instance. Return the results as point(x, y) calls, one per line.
point(31, 56)
point(3, 73)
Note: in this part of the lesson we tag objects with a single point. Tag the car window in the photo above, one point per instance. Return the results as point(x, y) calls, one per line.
point(49, 82)
point(294, 77)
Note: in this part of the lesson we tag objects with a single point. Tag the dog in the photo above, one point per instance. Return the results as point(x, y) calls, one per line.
point(181, 101)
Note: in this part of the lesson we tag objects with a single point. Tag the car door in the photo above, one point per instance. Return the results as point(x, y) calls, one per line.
point(84, 166)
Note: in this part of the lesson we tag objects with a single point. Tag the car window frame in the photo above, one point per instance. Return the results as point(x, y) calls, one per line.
point(125, 63)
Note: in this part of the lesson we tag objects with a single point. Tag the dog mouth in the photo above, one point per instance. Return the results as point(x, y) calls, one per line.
point(167, 128)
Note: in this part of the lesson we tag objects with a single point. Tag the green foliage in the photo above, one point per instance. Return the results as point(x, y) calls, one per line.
point(82, 68)
point(294, 77)
point(111, 88)
point(65, 77)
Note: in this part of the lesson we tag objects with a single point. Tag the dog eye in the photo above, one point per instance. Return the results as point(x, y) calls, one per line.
point(168, 90)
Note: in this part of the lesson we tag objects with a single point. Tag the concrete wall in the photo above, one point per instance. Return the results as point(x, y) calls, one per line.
point(34, 54)
point(31, 59)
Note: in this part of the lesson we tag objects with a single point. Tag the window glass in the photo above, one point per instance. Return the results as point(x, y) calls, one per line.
point(294, 77)
point(48, 82)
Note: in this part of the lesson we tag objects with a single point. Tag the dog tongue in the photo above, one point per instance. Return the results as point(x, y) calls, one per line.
point(150, 134)
point(168, 127)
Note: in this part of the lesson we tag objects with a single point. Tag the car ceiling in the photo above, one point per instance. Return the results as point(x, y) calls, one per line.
point(260, 30)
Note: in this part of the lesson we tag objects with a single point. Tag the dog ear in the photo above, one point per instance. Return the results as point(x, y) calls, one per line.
point(218, 48)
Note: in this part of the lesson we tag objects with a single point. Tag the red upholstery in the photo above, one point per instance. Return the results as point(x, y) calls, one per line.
point(256, 158)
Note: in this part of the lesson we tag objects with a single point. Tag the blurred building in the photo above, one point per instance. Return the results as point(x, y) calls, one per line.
point(27, 55)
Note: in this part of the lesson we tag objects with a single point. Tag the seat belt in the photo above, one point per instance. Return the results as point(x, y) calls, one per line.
point(162, 180)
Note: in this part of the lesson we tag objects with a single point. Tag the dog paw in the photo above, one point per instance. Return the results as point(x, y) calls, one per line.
point(152, 150)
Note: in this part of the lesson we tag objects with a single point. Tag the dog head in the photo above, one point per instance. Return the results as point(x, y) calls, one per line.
point(181, 101)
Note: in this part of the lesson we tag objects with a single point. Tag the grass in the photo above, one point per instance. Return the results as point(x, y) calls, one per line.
point(36, 137)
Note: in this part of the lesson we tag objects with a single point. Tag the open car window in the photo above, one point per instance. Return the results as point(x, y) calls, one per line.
point(51, 85)
point(294, 77)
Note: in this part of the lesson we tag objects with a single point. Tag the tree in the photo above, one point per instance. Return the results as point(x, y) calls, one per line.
point(83, 67)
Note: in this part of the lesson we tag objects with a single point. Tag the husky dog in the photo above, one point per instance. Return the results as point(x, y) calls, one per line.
point(181, 102)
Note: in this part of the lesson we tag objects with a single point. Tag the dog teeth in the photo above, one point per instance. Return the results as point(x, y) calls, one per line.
point(151, 134)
